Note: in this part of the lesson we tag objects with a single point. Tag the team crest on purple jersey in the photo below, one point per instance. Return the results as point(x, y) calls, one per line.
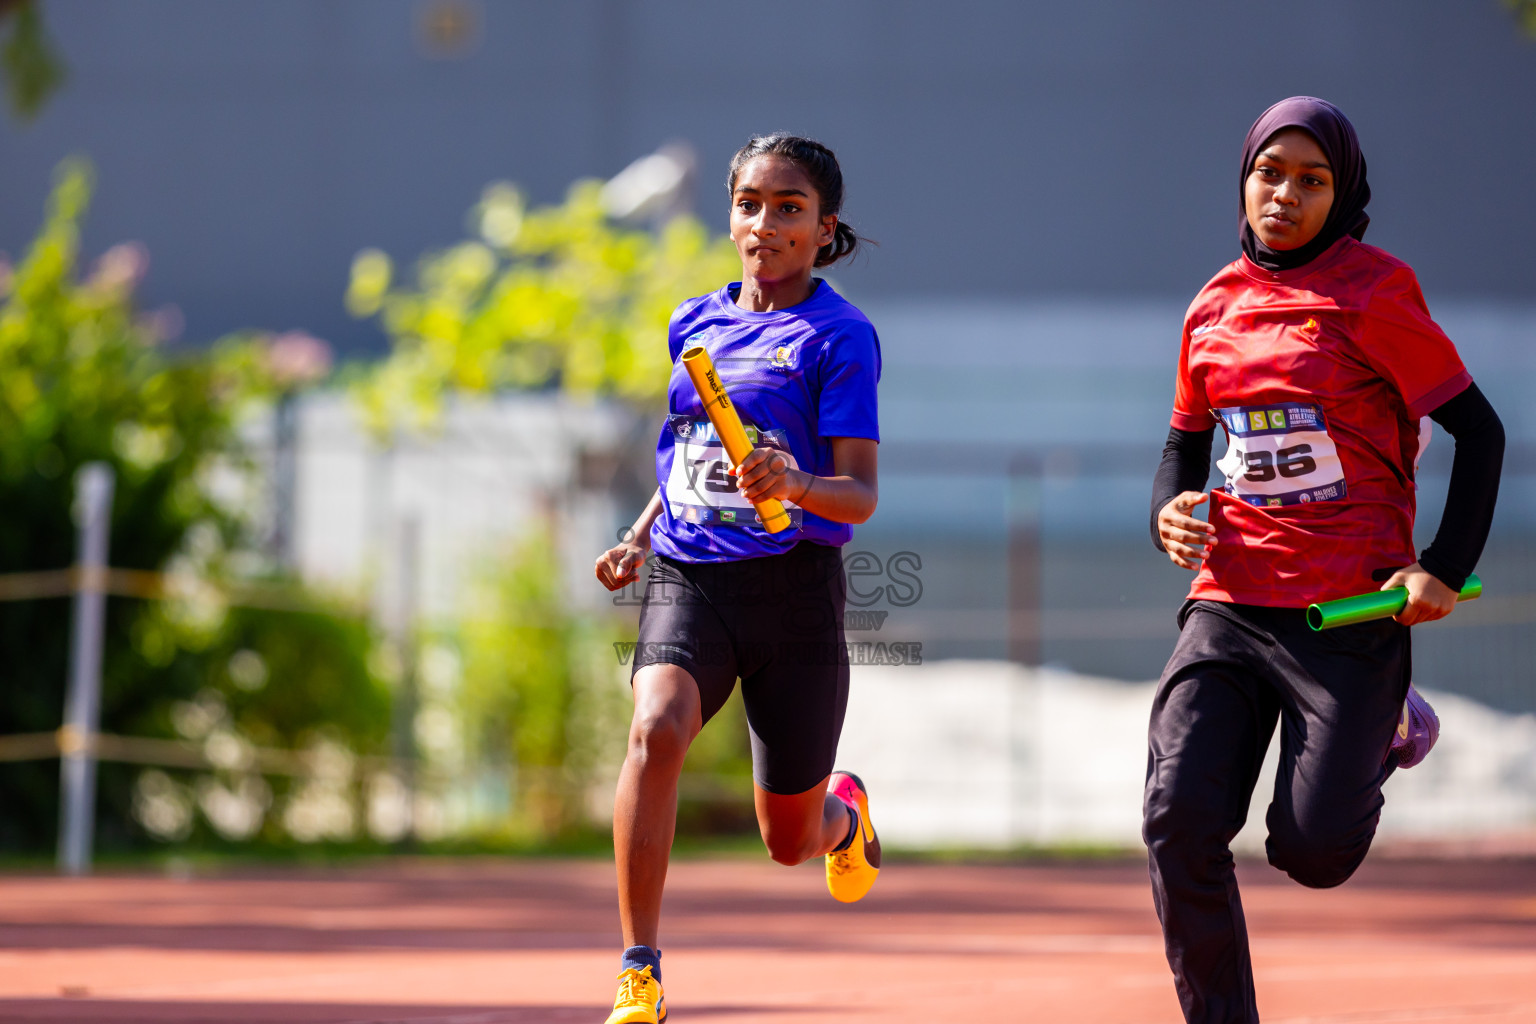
point(798, 377)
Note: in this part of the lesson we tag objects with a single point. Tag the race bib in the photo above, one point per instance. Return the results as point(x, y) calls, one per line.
point(1280, 455)
point(700, 489)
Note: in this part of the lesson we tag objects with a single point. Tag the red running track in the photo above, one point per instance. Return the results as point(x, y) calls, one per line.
point(488, 942)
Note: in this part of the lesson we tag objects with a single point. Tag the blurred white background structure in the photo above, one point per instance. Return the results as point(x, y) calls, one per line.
point(965, 754)
point(472, 485)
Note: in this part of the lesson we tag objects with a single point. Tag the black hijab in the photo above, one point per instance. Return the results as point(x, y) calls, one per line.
point(1336, 136)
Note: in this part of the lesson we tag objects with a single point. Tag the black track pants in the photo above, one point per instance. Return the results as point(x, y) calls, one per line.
point(1235, 671)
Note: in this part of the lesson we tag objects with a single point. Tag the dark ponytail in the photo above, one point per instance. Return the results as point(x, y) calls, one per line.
point(820, 165)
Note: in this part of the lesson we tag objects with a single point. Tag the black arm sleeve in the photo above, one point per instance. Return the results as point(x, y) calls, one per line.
point(1452, 555)
point(1186, 466)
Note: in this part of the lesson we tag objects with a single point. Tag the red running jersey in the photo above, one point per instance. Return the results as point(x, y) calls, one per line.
point(1319, 376)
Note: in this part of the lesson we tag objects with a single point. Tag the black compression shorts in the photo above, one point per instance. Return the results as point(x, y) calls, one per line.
point(776, 623)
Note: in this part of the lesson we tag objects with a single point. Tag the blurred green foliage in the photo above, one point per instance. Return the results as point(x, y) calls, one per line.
point(715, 792)
point(83, 378)
point(544, 692)
point(1525, 10)
point(286, 680)
point(541, 689)
point(550, 297)
point(31, 67)
point(312, 680)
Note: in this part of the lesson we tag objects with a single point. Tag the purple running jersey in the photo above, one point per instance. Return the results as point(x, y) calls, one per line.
point(798, 378)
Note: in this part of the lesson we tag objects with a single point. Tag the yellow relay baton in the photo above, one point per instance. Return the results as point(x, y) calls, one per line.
point(717, 404)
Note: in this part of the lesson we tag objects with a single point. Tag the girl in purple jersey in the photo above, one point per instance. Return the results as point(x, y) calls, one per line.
point(726, 599)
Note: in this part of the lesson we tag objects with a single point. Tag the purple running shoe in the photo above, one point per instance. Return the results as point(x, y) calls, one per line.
point(1417, 731)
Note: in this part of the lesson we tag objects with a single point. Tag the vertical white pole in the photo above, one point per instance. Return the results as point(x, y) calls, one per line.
point(403, 628)
point(82, 703)
point(285, 480)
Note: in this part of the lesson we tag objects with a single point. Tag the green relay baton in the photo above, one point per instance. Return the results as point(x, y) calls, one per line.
point(1383, 604)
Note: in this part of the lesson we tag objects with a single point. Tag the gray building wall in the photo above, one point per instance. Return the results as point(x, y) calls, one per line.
point(997, 148)
point(1050, 183)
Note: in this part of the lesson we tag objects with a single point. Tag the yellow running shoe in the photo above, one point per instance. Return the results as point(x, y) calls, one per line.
point(851, 872)
point(640, 1000)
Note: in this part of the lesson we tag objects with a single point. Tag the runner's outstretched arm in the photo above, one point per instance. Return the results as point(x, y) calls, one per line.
point(619, 566)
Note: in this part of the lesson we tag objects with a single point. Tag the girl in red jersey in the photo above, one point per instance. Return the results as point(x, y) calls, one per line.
point(1316, 355)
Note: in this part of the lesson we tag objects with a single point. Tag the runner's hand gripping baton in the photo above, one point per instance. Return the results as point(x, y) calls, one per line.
point(1383, 604)
point(729, 429)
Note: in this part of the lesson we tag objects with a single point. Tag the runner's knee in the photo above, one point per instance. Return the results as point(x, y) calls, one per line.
point(792, 833)
point(1175, 819)
point(1316, 861)
point(789, 846)
point(662, 734)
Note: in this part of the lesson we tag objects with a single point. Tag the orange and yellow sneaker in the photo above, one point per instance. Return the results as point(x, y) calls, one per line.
point(640, 1000)
point(851, 872)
